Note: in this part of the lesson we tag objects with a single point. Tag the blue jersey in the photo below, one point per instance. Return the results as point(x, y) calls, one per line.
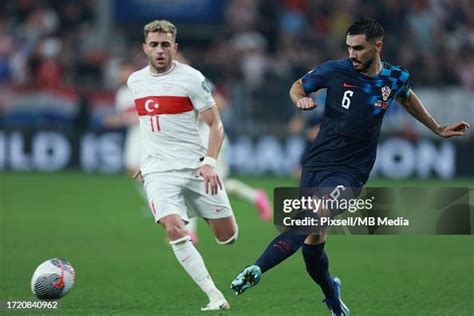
point(355, 106)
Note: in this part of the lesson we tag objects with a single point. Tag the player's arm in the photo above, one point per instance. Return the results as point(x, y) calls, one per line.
point(415, 107)
point(299, 97)
point(212, 118)
point(221, 101)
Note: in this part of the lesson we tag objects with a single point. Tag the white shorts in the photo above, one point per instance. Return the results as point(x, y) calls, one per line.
point(181, 192)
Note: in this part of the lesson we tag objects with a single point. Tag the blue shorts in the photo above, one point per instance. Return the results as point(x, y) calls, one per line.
point(330, 184)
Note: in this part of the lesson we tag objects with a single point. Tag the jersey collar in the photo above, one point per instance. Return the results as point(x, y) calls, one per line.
point(173, 66)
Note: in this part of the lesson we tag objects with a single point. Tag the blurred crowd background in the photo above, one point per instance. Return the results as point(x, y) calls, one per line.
point(59, 59)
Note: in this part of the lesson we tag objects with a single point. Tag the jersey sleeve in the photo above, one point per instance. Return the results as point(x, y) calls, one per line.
point(318, 78)
point(404, 82)
point(200, 93)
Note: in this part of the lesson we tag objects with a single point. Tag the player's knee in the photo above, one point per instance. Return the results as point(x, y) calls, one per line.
point(227, 238)
point(175, 231)
point(315, 239)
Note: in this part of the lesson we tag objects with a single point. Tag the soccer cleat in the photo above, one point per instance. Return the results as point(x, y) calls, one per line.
point(263, 205)
point(249, 277)
point(216, 305)
point(335, 303)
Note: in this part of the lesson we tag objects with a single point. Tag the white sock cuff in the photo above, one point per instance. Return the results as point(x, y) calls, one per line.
point(180, 240)
point(231, 239)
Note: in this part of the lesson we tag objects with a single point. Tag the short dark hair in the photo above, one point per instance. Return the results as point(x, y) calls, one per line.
point(368, 26)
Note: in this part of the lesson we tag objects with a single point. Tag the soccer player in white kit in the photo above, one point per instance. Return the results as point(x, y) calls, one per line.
point(175, 166)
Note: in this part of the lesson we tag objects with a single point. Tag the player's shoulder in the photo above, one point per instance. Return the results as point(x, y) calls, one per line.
point(395, 71)
point(336, 64)
point(189, 71)
point(339, 63)
point(393, 67)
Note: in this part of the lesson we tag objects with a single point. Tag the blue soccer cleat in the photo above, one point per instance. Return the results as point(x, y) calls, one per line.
point(249, 277)
point(335, 303)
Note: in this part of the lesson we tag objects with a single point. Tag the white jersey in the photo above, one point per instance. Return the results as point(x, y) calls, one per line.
point(167, 105)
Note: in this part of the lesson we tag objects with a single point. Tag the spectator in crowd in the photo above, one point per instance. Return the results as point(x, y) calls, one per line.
point(252, 53)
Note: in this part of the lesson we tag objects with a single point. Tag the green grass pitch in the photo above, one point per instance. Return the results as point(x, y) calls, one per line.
point(125, 267)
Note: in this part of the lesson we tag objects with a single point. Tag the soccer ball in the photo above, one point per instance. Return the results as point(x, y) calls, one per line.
point(53, 279)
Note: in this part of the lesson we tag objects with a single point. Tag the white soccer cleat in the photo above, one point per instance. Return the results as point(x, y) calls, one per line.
point(216, 305)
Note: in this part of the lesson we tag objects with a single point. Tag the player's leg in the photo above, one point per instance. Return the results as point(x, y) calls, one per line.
point(317, 263)
point(280, 248)
point(168, 207)
point(258, 197)
point(215, 209)
point(191, 226)
point(317, 266)
point(225, 230)
point(337, 186)
point(174, 227)
point(189, 257)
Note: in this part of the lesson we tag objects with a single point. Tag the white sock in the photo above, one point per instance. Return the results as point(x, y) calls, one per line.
point(191, 226)
point(193, 263)
point(240, 189)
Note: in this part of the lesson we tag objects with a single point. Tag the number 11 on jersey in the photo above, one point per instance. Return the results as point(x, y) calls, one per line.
point(155, 123)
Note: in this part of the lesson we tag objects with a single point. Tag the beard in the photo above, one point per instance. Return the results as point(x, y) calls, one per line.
point(364, 65)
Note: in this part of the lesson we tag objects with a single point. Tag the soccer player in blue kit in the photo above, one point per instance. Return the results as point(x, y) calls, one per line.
point(359, 91)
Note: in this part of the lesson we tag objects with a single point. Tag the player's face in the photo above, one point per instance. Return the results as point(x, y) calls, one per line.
point(362, 53)
point(160, 49)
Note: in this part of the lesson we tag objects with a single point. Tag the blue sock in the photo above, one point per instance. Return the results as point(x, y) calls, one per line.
point(280, 248)
point(317, 265)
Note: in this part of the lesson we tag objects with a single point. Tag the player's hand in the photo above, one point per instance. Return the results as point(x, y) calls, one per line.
point(456, 129)
point(305, 104)
point(212, 183)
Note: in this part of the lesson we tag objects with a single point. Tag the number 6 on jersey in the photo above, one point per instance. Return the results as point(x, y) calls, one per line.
point(346, 101)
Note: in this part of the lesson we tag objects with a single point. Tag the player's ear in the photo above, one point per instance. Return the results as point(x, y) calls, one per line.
point(378, 45)
point(175, 47)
